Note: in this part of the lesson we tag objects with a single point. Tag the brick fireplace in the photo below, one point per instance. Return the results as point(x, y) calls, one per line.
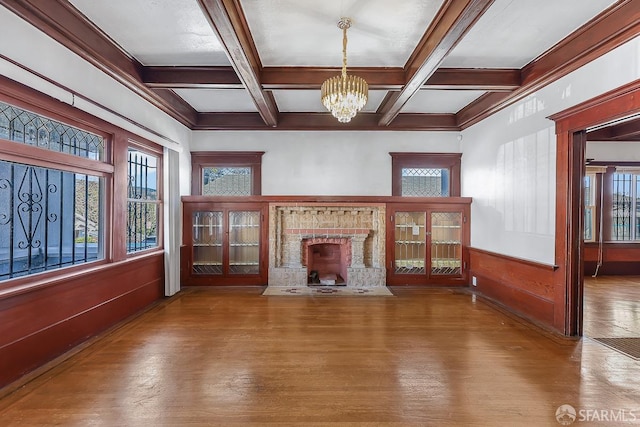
point(342, 239)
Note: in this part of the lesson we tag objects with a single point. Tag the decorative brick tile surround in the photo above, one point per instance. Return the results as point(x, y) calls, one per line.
point(292, 227)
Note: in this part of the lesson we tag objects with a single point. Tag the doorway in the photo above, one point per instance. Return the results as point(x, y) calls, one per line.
point(572, 128)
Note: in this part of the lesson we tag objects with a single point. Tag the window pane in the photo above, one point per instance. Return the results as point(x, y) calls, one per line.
point(226, 181)
point(31, 129)
point(410, 242)
point(143, 179)
point(49, 219)
point(142, 226)
point(425, 182)
point(622, 206)
point(142, 206)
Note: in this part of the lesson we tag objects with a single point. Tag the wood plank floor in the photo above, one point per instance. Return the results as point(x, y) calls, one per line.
point(612, 306)
point(426, 357)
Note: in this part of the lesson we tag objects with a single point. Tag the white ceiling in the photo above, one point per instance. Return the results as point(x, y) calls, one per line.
point(514, 32)
point(385, 33)
point(305, 32)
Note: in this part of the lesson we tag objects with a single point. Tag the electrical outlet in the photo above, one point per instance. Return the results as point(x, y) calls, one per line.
point(474, 281)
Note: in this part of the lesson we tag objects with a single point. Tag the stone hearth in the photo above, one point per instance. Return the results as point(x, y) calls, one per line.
point(359, 227)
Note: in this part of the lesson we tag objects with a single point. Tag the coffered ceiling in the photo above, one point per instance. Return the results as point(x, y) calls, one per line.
point(259, 64)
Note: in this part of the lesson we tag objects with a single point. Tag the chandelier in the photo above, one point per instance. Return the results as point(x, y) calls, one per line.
point(344, 95)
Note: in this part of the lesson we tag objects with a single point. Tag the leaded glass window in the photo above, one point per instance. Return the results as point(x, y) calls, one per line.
point(24, 127)
point(227, 181)
point(425, 182)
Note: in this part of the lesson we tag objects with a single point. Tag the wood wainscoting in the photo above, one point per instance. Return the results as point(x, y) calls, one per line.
point(42, 322)
point(523, 287)
point(619, 259)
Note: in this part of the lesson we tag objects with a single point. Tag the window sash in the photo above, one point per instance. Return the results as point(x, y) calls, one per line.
point(143, 202)
point(49, 219)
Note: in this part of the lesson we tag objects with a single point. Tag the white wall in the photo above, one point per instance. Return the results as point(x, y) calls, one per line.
point(613, 151)
point(509, 161)
point(326, 163)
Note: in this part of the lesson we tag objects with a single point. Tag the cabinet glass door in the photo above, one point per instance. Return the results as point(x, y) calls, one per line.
point(244, 242)
point(410, 242)
point(446, 243)
point(207, 242)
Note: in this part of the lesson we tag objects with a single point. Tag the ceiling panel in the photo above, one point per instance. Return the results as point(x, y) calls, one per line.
point(512, 33)
point(440, 101)
point(305, 33)
point(157, 32)
point(308, 101)
point(218, 100)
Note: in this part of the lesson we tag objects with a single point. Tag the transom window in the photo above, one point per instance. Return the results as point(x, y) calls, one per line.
point(425, 182)
point(425, 174)
point(226, 173)
point(22, 126)
point(226, 181)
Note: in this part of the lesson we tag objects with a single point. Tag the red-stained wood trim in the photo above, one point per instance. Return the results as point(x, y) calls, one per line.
point(71, 310)
point(489, 79)
point(191, 77)
point(452, 22)
point(325, 121)
point(450, 161)
point(610, 29)
point(389, 78)
point(524, 287)
point(575, 234)
point(227, 21)
point(393, 78)
point(478, 108)
point(533, 264)
point(65, 24)
point(280, 78)
point(23, 153)
point(346, 200)
point(616, 104)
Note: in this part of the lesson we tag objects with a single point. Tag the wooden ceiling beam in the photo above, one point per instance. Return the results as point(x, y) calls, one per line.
point(324, 121)
point(610, 29)
point(65, 24)
point(282, 78)
point(625, 131)
point(489, 79)
point(227, 21)
point(191, 77)
point(453, 21)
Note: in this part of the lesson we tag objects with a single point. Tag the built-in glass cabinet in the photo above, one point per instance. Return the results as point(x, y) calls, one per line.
point(426, 244)
point(226, 243)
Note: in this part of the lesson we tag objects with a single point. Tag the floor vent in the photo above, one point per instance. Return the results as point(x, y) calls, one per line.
point(627, 346)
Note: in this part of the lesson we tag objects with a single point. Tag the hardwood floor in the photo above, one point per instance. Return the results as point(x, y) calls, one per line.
point(426, 357)
point(612, 306)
